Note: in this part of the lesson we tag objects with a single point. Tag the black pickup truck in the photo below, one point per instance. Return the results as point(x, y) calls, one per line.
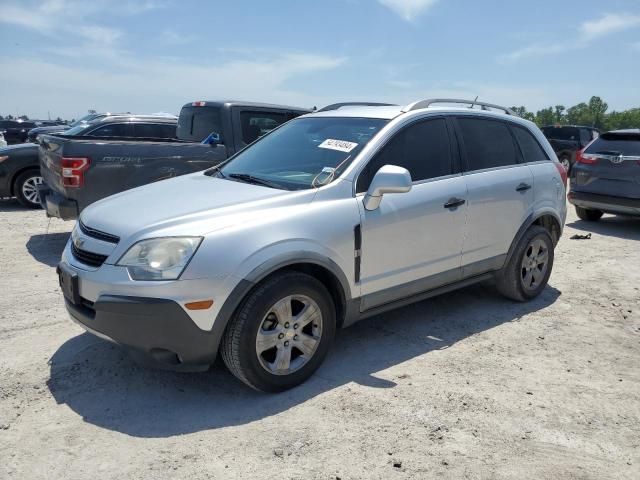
point(78, 171)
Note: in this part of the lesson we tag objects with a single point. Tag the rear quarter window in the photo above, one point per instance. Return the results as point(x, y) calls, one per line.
point(529, 146)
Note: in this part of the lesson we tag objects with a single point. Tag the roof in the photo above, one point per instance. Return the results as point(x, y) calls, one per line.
point(571, 126)
point(240, 103)
point(131, 117)
point(622, 131)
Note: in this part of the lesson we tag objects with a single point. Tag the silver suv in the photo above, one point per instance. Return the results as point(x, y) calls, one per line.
point(330, 218)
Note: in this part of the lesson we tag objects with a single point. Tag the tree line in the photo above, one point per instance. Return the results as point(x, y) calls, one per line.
point(593, 114)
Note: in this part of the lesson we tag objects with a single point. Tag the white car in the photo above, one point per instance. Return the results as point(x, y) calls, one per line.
point(330, 218)
point(3, 142)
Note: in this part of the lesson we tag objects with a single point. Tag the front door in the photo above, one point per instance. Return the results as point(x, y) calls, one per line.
point(413, 241)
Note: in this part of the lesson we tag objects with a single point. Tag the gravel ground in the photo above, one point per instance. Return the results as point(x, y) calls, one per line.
point(468, 385)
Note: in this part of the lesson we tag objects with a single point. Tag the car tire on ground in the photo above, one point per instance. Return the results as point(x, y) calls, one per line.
point(280, 333)
point(588, 215)
point(565, 161)
point(527, 272)
point(25, 188)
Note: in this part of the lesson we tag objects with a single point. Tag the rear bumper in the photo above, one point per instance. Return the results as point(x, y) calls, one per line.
point(605, 203)
point(155, 331)
point(56, 205)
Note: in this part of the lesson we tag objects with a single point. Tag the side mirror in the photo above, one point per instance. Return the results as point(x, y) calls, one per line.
point(213, 139)
point(389, 179)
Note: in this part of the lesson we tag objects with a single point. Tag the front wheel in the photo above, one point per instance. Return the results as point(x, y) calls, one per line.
point(527, 272)
point(281, 332)
point(25, 188)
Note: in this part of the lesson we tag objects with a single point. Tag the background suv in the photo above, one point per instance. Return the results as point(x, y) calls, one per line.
point(606, 177)
point(330, 218)
point(566, 140)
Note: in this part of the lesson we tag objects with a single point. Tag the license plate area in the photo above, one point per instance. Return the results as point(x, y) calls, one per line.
point(69, 284)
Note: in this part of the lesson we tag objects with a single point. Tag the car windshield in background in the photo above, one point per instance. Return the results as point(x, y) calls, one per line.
point(627, 144)
point(77, 130)
point(196, 123)
point(304, 153)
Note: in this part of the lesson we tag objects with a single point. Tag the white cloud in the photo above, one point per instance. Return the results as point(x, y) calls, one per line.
point(409, 9)
point(142, 86)
point(608, 24)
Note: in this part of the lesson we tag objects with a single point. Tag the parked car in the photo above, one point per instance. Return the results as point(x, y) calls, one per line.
point(82, 169)
point(330, 218)
point(606, 176)
point(20, 174)
point(20, 171)
point(15, 131)
point(3, 142)
point(32, 135)
point(566, 140)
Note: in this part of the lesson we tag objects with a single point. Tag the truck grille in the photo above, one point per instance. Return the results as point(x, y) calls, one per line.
point(88, 258)
point(97, 234)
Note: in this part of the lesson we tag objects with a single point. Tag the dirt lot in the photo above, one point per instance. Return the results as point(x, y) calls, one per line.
point(468, 385)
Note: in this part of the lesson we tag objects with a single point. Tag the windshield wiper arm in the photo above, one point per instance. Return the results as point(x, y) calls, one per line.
point(245, 177)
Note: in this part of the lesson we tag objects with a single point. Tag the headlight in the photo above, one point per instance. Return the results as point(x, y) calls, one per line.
point(159, 258)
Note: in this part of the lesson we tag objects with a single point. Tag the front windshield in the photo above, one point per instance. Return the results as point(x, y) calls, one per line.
point(84, 120)
point(77, 129)
point(303, 153)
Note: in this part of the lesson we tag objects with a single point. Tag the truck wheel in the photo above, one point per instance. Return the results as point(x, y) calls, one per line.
point(25, 188)
point(588, 215)
point(565, 161)
point(527, 272)
point(281, 332)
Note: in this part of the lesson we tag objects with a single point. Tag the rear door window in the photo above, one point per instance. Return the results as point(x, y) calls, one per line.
point(486, 143)
point(531, 149)
point(423, 148)
point(155, 130)
point(196, 123)
point(256, 124)
point(113, 130)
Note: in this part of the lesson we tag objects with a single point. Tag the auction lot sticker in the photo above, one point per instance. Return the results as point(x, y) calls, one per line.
point(340, 145)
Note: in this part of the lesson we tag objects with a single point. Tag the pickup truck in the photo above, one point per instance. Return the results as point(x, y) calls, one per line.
point(78, 171)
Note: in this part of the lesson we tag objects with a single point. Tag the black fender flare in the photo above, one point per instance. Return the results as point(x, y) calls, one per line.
point(530, 220)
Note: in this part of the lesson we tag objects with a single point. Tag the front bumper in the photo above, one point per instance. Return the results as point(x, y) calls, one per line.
point(155, 331)
point(605, 203)
point(56, 205)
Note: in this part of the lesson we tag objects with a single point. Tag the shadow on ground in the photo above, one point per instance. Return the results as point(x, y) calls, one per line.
point(11, 205)
point(47, 248)
point(99, 382)
point(611, 226)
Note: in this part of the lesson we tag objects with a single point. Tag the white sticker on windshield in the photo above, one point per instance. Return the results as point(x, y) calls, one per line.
point(340, 145)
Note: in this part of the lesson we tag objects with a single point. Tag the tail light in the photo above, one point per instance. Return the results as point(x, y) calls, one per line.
point(563, 172)
point(198, 104)
point(73, 171)
point(586, 158)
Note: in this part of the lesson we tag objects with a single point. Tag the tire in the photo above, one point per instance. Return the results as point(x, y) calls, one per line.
point(24, 188)
point(565, 161)
point(514, 281)
point(588, 215)
point(257, 321)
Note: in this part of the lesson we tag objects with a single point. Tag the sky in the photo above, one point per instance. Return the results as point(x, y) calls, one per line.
point(63, 57)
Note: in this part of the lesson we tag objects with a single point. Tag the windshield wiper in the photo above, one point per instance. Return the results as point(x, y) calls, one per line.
point(245, 177)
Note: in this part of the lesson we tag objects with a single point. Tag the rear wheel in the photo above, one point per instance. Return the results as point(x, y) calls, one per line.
point(527, 272)
point(281, 333)
point(565, 161)
point(25, 188)
point(588, 215)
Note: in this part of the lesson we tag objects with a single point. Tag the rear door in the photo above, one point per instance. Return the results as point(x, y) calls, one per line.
point(610, 166)
point(500, 191)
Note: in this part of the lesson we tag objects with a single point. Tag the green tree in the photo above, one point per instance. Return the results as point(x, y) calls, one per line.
point(545, 117)
point(597, 111)
point(579, 114)
point(559, 113)
point(23, 117)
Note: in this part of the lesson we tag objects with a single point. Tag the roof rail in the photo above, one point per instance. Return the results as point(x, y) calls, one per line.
point(336, 106)
point(427, 103)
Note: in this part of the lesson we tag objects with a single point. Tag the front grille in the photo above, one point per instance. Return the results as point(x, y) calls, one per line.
point(97, 234)
point(88, 258)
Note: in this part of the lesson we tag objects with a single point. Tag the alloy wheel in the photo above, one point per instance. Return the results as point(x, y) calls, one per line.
point(289, 334)
point(535, 263)
point(30, 189)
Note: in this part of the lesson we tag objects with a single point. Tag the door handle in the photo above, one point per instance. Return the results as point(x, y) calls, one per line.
point(523, 187)
point(454, 202)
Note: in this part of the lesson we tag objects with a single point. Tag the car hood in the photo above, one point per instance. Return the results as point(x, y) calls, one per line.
point(194, 204)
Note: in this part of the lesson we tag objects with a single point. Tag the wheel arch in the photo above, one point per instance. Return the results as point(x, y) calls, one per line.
point(547, 219)
point(17, 173)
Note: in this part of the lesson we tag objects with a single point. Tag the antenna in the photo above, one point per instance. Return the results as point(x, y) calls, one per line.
point(474, 102)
